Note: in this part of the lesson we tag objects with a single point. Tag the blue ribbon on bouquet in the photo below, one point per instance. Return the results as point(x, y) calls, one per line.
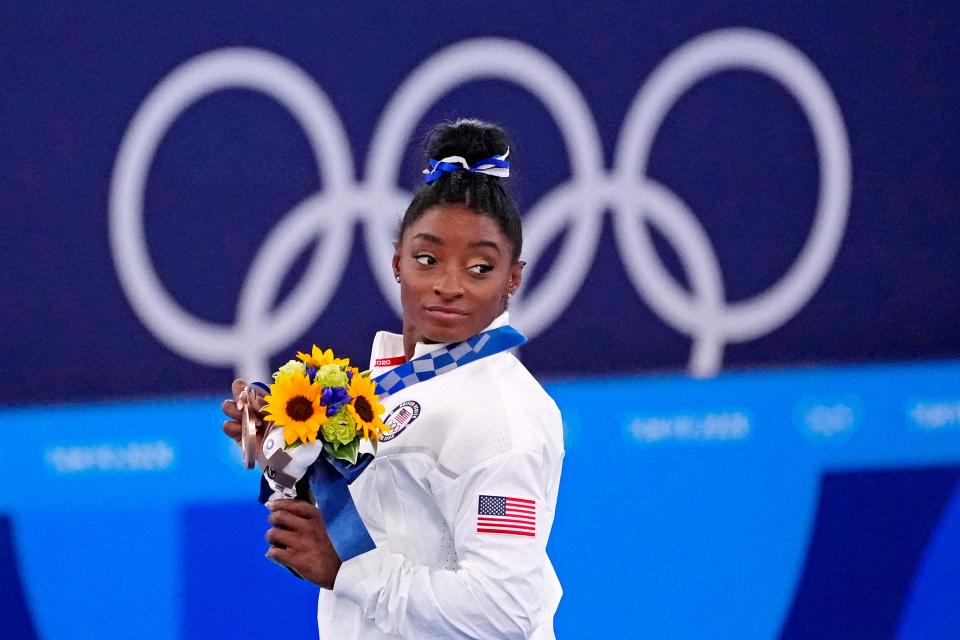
point(330, 478)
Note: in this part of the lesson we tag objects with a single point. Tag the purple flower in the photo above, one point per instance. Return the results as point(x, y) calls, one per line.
point(334, 398)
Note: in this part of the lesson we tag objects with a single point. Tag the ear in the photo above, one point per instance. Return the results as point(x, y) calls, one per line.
point(396, 259)
point(516, 276)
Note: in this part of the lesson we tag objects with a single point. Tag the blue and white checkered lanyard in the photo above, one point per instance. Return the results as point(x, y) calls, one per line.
point(448, 358)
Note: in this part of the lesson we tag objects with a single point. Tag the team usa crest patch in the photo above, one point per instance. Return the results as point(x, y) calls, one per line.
point(399, 419)
point(503, 514)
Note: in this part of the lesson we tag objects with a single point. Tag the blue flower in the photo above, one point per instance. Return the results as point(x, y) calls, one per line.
point(334, 399)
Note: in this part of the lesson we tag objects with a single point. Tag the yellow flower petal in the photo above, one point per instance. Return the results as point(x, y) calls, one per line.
point(294, 404)
point(365, 406)
point(317, 358)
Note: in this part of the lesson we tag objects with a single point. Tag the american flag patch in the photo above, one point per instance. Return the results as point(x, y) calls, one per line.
point(500, 514)
point(402, 415)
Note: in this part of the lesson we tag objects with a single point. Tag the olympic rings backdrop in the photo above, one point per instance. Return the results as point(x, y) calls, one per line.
point(742, 228)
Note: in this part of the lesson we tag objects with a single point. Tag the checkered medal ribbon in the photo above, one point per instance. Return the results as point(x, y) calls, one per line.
point(448, 358)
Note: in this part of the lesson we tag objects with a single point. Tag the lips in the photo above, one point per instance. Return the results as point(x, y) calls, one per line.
point(442, 312)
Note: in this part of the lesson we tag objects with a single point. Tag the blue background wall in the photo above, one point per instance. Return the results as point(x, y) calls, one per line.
point(803, 480)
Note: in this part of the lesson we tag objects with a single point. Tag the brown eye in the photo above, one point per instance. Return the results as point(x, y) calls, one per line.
point(481, 268)
point(425, 259)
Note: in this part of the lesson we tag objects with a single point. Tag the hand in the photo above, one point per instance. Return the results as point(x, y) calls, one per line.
point(299, 540)
point(232, 427)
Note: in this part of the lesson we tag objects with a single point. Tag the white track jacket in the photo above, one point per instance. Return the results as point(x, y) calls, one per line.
point(459, 501)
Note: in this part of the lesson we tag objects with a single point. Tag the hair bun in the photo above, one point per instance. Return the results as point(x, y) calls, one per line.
point(468, 138)
point(477, 188)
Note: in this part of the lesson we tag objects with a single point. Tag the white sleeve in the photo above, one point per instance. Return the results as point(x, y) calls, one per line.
point(497, 590)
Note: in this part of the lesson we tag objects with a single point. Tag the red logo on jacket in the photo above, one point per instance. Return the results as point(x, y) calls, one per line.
point(389, 362)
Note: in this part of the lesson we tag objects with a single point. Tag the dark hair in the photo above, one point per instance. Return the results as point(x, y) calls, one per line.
point(473, 140)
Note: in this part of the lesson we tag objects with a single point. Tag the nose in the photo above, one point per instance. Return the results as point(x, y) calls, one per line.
point(448, 284)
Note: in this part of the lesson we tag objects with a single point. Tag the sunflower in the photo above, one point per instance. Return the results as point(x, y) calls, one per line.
point(294, 404)
point(365, 406)
point(317, 358)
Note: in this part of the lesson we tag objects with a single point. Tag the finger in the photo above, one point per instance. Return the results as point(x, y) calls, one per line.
point(232, 429)
point(300, 508)
point(256, 418)
point(280, 556)
point(288, 521)
point(237, 387)
point(230, 408)
point(254, 400)
point(282, 538)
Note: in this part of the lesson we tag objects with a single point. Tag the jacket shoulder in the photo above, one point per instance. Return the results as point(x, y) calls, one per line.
point(499, 408)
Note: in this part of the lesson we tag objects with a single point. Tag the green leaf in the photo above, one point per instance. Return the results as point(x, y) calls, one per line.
point(347, 452)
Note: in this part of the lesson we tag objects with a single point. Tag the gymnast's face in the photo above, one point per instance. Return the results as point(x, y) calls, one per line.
point(456, 268)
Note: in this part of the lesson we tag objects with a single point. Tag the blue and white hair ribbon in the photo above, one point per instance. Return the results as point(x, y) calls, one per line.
point(493, 166)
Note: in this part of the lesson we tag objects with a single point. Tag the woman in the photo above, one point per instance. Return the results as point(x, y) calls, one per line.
point(460, 498)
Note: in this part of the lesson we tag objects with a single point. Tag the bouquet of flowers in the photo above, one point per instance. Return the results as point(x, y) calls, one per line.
point(319, 397)
point(317, 411)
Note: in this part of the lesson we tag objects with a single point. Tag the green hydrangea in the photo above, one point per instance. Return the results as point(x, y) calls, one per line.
point(292, 366)
point(341, 428)
point(331, 375)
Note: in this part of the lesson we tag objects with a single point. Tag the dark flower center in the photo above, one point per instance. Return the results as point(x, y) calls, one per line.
point(362, 406)
point(299, 408)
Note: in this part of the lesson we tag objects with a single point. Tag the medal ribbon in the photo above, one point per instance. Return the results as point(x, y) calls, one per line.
point(448, 358)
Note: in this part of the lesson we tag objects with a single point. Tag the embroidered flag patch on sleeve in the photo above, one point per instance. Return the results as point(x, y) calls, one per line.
point(500, 514)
